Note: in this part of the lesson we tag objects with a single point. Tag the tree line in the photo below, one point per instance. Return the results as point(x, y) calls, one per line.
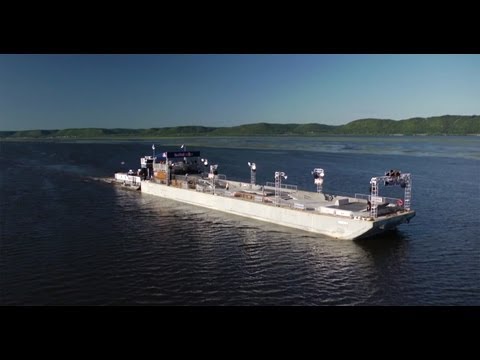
point(438, 125)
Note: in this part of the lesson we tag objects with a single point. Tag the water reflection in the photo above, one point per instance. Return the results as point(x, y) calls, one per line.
point(393, 242)
point(387, 258)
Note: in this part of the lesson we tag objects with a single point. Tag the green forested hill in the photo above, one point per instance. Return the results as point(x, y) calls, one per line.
point(439, 125)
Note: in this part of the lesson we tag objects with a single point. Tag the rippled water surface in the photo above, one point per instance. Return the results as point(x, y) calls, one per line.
point(68, 240)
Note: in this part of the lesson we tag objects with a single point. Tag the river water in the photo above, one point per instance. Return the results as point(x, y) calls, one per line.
point(68, 240)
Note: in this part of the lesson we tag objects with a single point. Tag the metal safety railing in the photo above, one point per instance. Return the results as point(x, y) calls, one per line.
point(288, 187)
point(384, 199)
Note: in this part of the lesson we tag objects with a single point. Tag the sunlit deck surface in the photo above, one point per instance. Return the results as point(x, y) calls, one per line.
point(290, 198)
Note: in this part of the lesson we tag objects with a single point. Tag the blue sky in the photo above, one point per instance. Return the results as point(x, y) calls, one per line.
point(143, 91)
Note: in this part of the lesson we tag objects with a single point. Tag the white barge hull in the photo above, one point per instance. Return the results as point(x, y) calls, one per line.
point(313, 221)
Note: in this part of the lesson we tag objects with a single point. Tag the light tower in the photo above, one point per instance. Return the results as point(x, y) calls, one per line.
point(153, 162)
point(278, 185)
point(318, 175)
point(205, 163)
point(211, 175)
point(253, 171)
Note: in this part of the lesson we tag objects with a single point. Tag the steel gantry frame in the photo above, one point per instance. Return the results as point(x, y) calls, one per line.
point(391, 180)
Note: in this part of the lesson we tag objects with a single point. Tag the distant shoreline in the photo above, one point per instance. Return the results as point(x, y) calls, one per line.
point(73, 139)
point(447, 125)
